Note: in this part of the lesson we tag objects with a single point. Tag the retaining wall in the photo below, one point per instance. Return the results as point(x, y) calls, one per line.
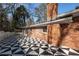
point(4, 35)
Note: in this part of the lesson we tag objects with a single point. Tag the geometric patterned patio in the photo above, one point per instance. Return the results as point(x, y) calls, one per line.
point(24, 46)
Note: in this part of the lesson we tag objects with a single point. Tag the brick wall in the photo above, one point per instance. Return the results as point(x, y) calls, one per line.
point(38, 33)
point(71, 35)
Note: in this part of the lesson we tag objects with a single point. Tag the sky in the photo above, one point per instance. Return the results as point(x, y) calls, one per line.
point(62, 7)
point(65, 7)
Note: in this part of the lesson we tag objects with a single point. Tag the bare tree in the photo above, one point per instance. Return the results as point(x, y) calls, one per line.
point(40, 12)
